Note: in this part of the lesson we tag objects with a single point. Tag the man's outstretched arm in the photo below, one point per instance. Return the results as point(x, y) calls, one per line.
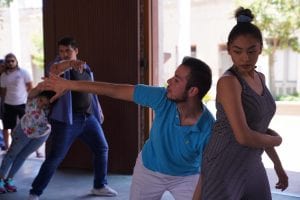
point(116, 91)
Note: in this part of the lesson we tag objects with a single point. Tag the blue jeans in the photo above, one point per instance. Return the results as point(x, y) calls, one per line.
point(89, 130)
point(21, 147)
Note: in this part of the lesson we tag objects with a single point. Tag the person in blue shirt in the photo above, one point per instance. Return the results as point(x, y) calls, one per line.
point(171, 158)
point(74, 115)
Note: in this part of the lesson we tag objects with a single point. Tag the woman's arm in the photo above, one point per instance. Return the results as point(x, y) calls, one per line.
point(283, 181)
point(229, 95)
point(197, 193)
point(29, 86)
point(36, 90)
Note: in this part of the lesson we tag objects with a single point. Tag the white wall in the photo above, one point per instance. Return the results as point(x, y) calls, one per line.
point(20, 23)
point(211, 22)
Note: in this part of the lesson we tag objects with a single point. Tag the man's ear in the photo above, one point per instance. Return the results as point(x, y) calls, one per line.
point(76, 50)
point(193, 91)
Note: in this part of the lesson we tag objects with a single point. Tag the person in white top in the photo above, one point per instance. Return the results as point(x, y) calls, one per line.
point(15, 85)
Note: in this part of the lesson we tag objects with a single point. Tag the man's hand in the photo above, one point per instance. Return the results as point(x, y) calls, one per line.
point(64, 65)
point(77, 65)
point(56, 84)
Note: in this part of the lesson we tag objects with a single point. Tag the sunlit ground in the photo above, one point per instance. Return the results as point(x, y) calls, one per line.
point(289, 128)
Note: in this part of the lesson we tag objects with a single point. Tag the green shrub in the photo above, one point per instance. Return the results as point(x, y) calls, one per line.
point(292, 97)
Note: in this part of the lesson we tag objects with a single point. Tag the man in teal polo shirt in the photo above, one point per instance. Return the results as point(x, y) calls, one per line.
point(171, 158)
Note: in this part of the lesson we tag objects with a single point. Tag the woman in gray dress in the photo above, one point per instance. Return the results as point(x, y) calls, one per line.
point(232, 167)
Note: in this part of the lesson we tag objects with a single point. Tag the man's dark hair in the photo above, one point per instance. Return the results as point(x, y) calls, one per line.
point(200, 75)
point(66, 41)
point(11, 55)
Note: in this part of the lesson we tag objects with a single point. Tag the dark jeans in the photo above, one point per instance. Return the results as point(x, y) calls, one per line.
point(89, 130)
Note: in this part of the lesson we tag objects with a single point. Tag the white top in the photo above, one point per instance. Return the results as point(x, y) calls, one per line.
point(15, 84)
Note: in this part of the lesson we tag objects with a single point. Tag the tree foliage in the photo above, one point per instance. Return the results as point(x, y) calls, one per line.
point(5, 3)
point(38, 51)
point(279, 21)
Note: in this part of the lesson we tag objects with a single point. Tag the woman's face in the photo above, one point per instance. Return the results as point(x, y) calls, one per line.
point(244, 52)
point(43, 102)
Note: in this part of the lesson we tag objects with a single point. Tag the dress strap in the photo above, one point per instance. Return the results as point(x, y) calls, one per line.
point(240, 79)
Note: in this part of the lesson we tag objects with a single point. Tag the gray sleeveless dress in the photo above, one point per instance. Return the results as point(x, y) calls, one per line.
point(232, 171)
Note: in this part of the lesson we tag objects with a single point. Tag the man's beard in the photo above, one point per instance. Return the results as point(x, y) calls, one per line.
point(11, 67)
point(181, 99)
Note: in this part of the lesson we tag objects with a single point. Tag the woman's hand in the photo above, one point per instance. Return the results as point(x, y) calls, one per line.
point(283, 180)
point(272, 132)
point(277, 137)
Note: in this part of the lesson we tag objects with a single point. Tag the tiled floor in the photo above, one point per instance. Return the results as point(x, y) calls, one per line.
point(76, 184)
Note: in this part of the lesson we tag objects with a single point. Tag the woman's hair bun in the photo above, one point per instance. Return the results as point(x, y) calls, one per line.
point(243, 15)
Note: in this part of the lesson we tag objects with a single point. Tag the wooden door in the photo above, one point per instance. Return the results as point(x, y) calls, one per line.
point(109, 35)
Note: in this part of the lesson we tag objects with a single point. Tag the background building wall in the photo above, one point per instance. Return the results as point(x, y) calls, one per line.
point(19, 25)
point(211, 22)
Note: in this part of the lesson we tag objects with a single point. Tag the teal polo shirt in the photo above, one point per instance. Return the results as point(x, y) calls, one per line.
point(172, 149)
